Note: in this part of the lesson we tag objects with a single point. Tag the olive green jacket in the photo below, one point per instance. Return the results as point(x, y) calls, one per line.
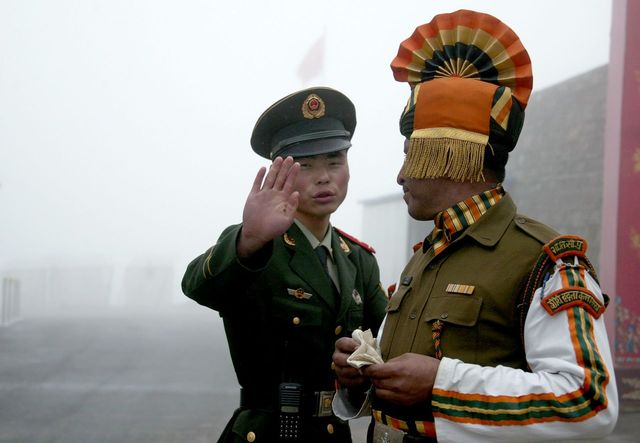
point(491, 259)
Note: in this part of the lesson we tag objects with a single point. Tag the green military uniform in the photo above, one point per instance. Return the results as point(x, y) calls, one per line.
point(282, 309)
point(492, 259)
point(282, 316)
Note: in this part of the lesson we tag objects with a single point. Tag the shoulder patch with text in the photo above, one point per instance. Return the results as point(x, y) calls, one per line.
point(566, 245)
point(566, 298)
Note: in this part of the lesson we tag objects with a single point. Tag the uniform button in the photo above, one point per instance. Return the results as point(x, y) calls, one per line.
point(444, 315)
point(251, 437)
point(412, 316)
point(521, 220)
point(333, 366)
point(338, 330)
point(330, 428)
point(296, 320)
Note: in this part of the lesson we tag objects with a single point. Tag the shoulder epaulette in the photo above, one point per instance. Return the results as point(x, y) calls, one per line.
point(535, 229)
point(356, 241)
point(560, 247)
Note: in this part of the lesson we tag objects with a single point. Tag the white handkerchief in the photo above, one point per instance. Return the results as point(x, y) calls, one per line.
point(367, 353)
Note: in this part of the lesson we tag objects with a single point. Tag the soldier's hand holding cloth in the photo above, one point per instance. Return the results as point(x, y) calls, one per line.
point(404, 380)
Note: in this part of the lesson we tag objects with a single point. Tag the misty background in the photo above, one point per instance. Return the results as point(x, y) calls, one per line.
point(125, 125)
point(124, 152)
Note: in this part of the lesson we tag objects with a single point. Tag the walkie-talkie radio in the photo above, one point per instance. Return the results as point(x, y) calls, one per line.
point(290, 399)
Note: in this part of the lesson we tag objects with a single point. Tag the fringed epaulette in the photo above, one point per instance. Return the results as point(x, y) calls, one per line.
point(352, 239)
point(562, 247)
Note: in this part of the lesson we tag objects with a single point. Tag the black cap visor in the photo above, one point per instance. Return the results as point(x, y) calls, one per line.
point(314, 147)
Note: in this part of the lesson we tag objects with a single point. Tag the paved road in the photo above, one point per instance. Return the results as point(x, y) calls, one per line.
point(163, 378)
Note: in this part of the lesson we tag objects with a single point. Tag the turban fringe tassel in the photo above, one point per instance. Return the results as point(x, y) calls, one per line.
point(459, 160)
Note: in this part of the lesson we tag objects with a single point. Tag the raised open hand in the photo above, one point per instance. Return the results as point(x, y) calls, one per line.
point(270, 206)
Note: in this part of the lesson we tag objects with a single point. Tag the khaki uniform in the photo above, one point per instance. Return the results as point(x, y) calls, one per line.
point(512, 310)
point(282, 316)
point(494, 256)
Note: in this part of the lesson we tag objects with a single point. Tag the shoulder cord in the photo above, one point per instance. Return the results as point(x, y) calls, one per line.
point(542, 270)
point(436, 332)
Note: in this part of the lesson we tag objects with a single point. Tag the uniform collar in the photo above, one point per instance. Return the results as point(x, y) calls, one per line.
point(313, 241)
point(492, 226)
point(452, 222)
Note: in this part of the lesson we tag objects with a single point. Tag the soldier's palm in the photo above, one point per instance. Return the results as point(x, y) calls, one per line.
point(271, 212)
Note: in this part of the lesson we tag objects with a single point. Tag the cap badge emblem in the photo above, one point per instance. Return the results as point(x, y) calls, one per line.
point(313, 107)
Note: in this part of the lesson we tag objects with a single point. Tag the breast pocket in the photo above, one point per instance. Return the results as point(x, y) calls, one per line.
point(459, 315)
point(461, 310)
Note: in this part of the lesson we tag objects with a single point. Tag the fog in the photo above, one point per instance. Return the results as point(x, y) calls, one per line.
point(124, 152)
point(124, 125)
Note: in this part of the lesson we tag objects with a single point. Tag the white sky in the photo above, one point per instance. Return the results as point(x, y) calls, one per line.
point(125, 125)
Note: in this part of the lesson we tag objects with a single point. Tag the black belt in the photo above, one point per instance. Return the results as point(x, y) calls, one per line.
point(393, 430)
point(315, 403)
point(381, 433)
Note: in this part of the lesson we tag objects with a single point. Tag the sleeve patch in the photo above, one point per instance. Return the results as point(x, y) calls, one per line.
point(574, 296)
point(566, 245)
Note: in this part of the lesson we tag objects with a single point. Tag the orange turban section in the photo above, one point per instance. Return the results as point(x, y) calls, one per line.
point(450, 129)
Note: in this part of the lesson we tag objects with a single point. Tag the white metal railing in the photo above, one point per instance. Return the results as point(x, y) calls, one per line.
point(10, 301)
